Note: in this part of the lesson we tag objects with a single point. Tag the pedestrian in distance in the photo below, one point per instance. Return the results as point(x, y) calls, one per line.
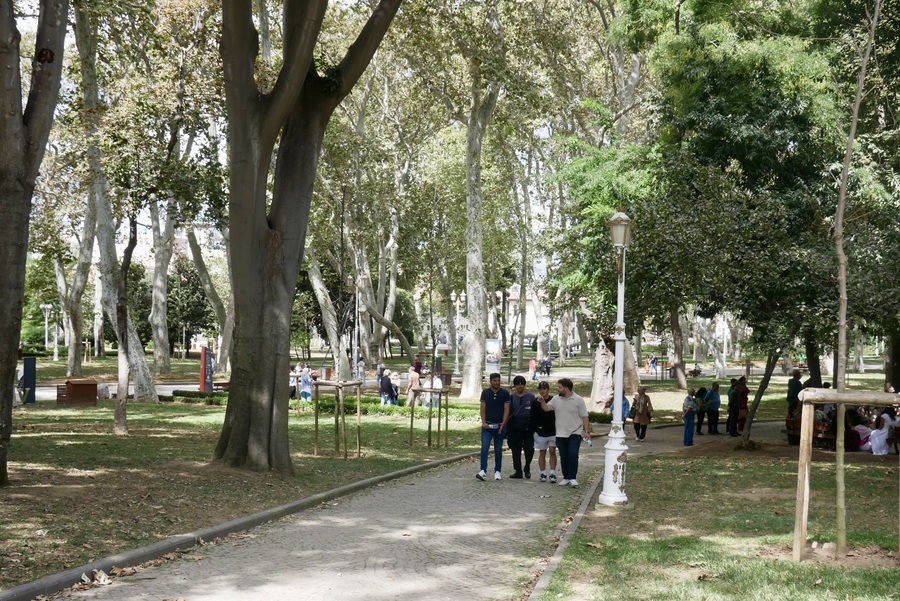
point(544, 428)
point(743, 403)
point(572, 427)
point(519, 435)
point(412, 382)
point(713, 402)
point(495, 403)
point(643, 413)
point(688, 412)
point(700, 401)
point(386, 389)
point(733, 408)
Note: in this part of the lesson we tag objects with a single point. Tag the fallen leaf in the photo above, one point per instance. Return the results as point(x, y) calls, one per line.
point(595, 545)
point(818, 582)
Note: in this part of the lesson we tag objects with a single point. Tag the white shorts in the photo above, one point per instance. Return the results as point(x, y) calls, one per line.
point(542, 442)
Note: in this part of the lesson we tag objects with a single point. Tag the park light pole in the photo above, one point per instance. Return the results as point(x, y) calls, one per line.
point(616, 450)
point(45, 307)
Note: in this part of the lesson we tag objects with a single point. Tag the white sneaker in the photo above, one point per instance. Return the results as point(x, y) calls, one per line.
point(481, 475)
point(563, 482)
point(497, 475)
point(573, 482)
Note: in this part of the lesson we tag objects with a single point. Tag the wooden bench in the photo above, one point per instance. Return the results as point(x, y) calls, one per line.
point(821, 432)
point(695, 372)
point(221, 386)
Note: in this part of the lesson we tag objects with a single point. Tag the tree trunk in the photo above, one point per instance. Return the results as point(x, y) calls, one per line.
point(583, 342)
point(99, 340)
point(892, 359)
point(163, 247)
point(121, 414)
point(329, 316)
point(771, 362)
point(708, 336)
point(859, 349)
point(86, 38)
point(812, 358)
point(677, 348)
point(224, 316)
point(563, 338)
point(23, 138)
point(602, 376)
point(630, 377)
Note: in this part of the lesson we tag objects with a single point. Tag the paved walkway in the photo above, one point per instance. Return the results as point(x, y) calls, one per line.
point(439, 534)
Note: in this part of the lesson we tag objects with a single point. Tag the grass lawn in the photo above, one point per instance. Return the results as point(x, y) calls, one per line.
point(79, 493)
point(724, 527)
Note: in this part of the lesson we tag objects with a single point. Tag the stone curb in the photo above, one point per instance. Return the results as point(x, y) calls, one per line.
point(57, 582)
point(544, 581)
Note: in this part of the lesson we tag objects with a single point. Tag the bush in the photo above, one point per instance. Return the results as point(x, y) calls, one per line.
point(197, 397)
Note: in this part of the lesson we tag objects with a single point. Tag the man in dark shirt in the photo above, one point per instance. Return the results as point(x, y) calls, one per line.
point(519, 433)
point(795, 386)
point(494, 415)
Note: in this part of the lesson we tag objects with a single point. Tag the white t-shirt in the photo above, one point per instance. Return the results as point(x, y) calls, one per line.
point(570, 414)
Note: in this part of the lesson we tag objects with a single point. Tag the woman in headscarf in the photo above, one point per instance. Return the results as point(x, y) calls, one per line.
point(643, 412)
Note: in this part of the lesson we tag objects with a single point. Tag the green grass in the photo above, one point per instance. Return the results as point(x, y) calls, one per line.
point(723, 531)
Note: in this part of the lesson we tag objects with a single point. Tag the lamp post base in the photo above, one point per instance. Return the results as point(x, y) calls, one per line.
point(616, 455)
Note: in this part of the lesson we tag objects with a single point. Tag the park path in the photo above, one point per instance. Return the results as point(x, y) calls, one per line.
point(437, 534)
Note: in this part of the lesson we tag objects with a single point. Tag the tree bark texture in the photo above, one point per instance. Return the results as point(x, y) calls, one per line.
point(86, 39)
point(224, 315)
point(677, 348)
point(771, 362)
point(813, 363)
point(163, 247)
point(267, 242)
point(602, 376)
point(23, 138)
point(329, 316)
point(121, 414)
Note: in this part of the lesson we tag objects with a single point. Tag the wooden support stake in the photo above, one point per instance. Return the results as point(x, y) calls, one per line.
point(412, 416)
point(841, 501)
point(343, 420)
point(803, 472)
point(316, 418)
point(358, 422)
point(430, 413)
point(446, 418)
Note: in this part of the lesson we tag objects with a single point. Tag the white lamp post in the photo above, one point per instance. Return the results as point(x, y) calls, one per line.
point(455, 300)
point(45, 307)
point(613, 494)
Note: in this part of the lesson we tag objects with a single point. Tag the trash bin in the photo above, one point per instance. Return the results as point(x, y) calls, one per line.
point(79, 393)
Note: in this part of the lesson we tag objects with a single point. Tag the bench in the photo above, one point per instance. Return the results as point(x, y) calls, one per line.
point(695, 372)
point(221, 386)
point(822, 433)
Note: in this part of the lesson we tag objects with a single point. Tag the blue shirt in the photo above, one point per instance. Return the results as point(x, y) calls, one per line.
point(714, 400)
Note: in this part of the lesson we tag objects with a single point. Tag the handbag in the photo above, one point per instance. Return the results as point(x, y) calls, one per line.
point(631, 412)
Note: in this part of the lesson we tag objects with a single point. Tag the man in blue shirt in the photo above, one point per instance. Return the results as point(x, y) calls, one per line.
point(713, 402)
point(494, 415)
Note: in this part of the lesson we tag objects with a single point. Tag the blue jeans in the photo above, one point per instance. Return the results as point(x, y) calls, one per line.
point(689, 429)
point(568, 455)
point(486, 437)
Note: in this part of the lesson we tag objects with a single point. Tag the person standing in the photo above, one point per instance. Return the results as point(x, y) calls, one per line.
point(700, 400)
point(733, 408)
point(412, 381)
point(572, 426)
point(386, 389)
point(713, 402)
point(688, 410)
point(743, 403)
point(795, 386)
point(519, 435)
point(543, 424)
point(305, 385)
point(379, 371)
point(643, 413)
point(495, 403)
point(532, 369)
point(361, 371)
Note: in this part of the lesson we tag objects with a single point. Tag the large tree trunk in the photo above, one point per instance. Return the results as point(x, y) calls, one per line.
point(70, 297)
point(677, 348)
point(706, 334)
point(23, 138)
point(270, 237)
point(859, 349)
point(163, 247)
point(602, 376)
point(97, 321)
point(86, 38)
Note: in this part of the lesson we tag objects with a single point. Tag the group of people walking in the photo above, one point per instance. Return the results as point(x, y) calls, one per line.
point(702, 405)
point(552, 425)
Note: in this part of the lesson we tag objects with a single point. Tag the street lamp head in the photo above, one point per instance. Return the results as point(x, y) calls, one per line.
point(620, 226)
point(453, 296)
point(462, 296)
